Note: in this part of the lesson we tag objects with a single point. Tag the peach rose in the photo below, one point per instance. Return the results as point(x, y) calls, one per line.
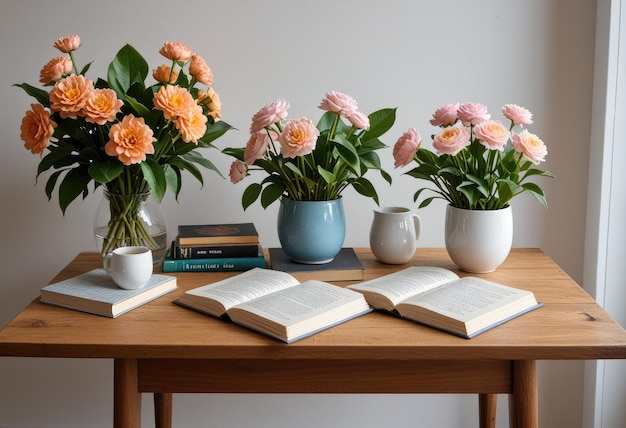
point(472, 113)
point(530, 146)
point(164, 74)
point(405, 148)
point(269, 114)
point(518, 115)
point(174, 101)
point(445, 115)
point(298, 137)
point(54, 70)
point(102, 106)
point(37, 129)
point(67, 44)
point(211, 101)
point(492, 134)
point(339, 103)
point(68, 97)
point(237, 171)
point(199, 69)
point(256, 147)
point(360, 120)
point(176, 51)
point(192, 126)
point(452, 139)
point(130, 140)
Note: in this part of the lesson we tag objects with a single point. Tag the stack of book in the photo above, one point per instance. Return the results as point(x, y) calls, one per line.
point(215, 248)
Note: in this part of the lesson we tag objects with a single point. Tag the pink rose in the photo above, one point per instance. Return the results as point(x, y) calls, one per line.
point(256, 147)
point(452, 139)
point(360, 120)
point(492, 134)
point(270, 114)
point(405, 148)
point(445, 115)
point(472, 113)
point(518, 115)
point(237, 171)
point(530, 146)
point(298, 137)
point(339, 103)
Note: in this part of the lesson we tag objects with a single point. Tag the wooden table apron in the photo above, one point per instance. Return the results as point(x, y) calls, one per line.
point(164, 349)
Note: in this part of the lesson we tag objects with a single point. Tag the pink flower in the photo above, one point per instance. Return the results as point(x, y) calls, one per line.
point(530, 146)
point(452, 139)
point(270, 114)
point(405, 148)
point(339, 103)
point(54, 70)
point(298, 138)
point(445, 115)
point(175, 51)
point(102, 106)
point(472, 113)
point(237, 171)
point(256, 147)
point(518, 115)
point(67, 44)
point(199, 69)
point(359, 120)
point(37, 129)
point(492, 134)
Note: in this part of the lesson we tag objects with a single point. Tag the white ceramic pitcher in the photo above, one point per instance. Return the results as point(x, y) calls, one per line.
point(394, 234)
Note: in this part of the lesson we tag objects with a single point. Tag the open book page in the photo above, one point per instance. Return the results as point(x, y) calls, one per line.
point(310, 306)
point(473, 298)
point(389, 290)
point(218, 297)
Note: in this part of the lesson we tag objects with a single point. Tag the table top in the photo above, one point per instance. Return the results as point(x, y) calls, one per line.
point(570, 325)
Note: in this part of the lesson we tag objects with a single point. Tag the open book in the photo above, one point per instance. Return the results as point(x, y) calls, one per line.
point(438, 298)
point(276, 304)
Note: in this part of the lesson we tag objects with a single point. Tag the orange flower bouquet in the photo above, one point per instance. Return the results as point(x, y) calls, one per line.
point(122, 133)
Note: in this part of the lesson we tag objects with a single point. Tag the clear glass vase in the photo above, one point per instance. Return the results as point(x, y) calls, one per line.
point(130, 220)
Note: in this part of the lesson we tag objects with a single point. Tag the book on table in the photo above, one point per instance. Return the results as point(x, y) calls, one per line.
point(217, 234)
point(346, 266)
point(439, 298)
point(182, 252)
point(95, 292)
point(212, 264)
point(276, 304)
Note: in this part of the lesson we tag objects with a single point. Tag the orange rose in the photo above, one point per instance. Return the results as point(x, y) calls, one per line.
point(214, 105)
point(164, 74)
point(68, 97)
point(199, 69)
point(67, 44)
point(102, 106)
point(130, 140)
point(192, 126)
point(176, 51)
point(37, 129)
point(174, 101)
point(54, 70)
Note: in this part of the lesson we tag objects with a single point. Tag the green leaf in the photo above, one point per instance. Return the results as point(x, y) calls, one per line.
point(380, 122)
point(213, 132)
point(348, 154)
point(51, 183)
point(271, 193)
point(127, 67)
point(43, 97)
point(426, 202)
point(105, 172)
point(250, 195)
point(365, 188)
point(155, 177)
point(173, 178)
point(537, 193)
point(74, 183)
point(328, 176)
point(139, 109)
point(236, 152)
point(201, 160)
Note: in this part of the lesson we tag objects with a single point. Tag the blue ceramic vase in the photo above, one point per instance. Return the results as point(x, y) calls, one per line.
point(311, 232)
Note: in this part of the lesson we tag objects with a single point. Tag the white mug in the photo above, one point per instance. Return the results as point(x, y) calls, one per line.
point(394, 234)
point(129, 267)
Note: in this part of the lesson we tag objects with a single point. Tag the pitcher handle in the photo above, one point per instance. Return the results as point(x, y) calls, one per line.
point(418, 225)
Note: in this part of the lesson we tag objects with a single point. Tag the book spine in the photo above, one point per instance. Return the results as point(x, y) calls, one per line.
point(213, 265)
point(216, 251)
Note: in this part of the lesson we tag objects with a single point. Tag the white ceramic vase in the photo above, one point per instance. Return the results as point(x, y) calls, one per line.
point(394, 234)
point(478, 241)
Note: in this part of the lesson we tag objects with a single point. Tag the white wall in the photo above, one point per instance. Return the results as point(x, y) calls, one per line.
point(413, 55)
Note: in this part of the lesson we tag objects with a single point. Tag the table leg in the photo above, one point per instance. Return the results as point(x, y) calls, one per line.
point(487, 410)
point(163, 409)
point(524, 402)
point(127, 399)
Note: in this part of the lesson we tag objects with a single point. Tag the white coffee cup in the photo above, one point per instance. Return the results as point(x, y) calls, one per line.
point(129, 267)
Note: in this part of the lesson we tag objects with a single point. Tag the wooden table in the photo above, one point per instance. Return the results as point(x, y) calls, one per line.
point(164, 349)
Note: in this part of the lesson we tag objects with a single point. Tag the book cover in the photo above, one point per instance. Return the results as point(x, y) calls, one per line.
point(95, 292)
point(211, 234)
point(346, 266)
point(214, 264)
point(215, 251)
